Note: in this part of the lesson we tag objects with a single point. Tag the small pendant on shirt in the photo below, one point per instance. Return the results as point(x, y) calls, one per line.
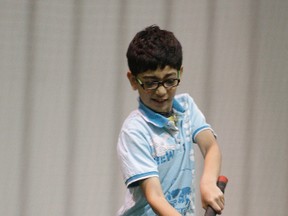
point(173, 118)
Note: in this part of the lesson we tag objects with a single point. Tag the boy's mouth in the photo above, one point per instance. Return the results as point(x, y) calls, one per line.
point(160, 101)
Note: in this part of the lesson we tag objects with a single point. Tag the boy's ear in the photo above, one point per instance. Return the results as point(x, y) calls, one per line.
point(181, 71)
point(132, 80)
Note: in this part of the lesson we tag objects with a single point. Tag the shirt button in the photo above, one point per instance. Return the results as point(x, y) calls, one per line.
point(170, 123)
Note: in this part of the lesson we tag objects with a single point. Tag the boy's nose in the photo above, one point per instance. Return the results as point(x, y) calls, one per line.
point(161, 90)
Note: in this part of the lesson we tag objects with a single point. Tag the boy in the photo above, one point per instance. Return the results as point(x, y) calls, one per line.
point(155, 145)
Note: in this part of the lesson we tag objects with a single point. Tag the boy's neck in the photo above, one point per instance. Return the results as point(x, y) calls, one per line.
point(167, 114)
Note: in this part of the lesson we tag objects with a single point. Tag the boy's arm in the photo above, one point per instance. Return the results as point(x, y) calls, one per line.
point(153, 193)
point(210, 193)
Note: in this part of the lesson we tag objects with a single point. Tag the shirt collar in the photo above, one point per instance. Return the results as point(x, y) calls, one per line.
point(156, 118)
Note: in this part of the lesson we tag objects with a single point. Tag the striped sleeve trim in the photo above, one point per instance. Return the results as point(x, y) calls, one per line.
point(199, 130)
point(139, 177)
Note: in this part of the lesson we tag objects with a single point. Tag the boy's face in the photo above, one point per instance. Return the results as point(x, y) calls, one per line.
point(160, 99)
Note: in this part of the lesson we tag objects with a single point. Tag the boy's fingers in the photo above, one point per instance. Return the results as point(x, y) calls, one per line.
point(217, 205)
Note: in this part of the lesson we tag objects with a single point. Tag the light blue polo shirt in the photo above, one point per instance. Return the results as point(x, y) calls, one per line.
point(152, 145)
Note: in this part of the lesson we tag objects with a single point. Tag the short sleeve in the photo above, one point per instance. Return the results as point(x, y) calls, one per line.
point(198, 121)
point(134, 152)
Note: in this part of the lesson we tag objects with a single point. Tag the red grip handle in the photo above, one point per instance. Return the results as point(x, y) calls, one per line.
point(221, 183)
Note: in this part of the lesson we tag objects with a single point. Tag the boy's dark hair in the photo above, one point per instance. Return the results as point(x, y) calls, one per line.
point(153, 48)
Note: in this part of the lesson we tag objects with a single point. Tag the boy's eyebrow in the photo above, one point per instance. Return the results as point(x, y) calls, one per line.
point(155, 77)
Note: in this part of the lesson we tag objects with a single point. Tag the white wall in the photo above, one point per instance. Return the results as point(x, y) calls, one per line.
point(64, 96)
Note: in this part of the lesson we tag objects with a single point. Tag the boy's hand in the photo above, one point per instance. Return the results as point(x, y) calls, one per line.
point(211, 195)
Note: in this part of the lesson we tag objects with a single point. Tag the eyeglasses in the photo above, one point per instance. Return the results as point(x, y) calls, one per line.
point(153, 85)
point(169, 83)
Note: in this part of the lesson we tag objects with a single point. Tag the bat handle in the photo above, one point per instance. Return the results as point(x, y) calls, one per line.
point(221, 183)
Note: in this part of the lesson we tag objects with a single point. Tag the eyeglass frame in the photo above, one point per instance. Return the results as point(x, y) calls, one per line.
point(160, 83)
